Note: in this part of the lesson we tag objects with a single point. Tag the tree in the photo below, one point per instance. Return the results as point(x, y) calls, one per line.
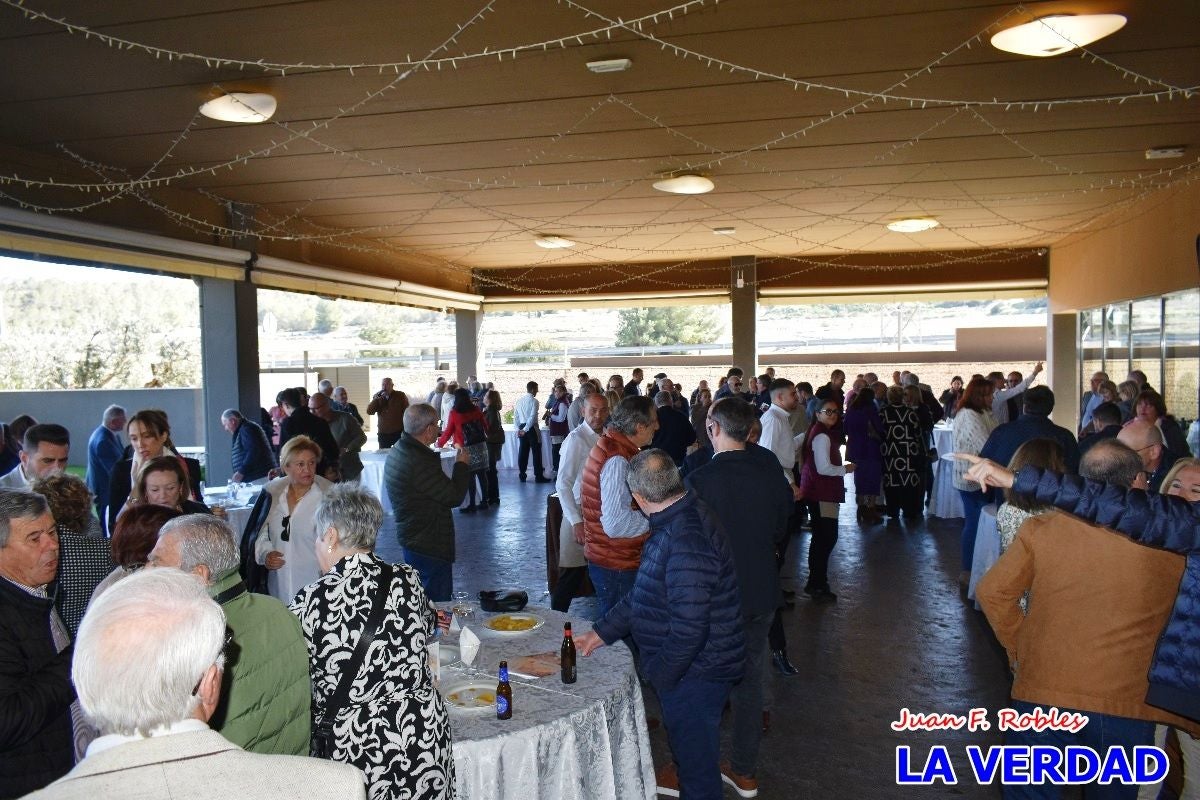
point(328, 317)
point(532, 346)
point(667, 325)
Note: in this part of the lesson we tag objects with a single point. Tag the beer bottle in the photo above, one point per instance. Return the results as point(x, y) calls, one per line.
point(566, 655)
point(503, 694)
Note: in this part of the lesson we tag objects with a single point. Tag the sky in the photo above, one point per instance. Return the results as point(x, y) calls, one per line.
point(19, 269)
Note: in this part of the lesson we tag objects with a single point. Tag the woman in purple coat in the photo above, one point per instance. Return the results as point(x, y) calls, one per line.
point(864, 439)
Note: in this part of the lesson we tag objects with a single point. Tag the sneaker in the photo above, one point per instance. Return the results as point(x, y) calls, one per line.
point(668, 781)
point(744, 785)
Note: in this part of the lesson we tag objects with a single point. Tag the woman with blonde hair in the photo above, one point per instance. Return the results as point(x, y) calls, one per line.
point(614, 398)
point(288, 504)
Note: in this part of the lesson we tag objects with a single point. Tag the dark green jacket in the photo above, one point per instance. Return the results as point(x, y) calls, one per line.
point(265, 696)
point(423, 498)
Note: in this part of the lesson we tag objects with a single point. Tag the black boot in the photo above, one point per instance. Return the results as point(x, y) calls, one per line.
point(780, 660)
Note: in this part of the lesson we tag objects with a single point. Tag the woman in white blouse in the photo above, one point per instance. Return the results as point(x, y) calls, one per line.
point(972, 425)
point(286, 545)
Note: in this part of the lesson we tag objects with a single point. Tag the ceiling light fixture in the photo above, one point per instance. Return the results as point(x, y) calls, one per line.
point(912, 225)
point(240, 107)
point(688, 183)
point(1170, 151)
point(609, 65)
point(553, 242)
point(724, 231)
point(1058, 33)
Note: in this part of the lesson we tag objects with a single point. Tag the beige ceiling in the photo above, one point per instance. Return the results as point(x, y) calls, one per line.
point(457, 169)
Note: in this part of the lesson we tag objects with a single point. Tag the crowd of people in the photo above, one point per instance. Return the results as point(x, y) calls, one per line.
point(677, 508)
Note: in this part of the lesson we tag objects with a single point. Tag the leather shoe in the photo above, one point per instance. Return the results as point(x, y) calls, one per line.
point(540, 479)
point(780, 660)
point(744, 785)
point(823, 596)
point(667, 780)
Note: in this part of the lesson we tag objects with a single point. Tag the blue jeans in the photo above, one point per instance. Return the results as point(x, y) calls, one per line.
point(973, 503)
point(692, 717)
point(1102, 732)
point(611, 585)
point(437, 576)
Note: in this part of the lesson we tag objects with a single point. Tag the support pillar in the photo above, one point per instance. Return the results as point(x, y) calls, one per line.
point(466, 340)
point(229, 358)
point(744, 301)
point(1062, 368)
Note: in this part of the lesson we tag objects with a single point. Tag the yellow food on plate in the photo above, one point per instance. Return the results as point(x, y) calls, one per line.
point(506, 622)
point(472, 698)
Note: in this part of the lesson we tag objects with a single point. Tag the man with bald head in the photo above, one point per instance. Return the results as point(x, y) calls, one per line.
point(1146, 440)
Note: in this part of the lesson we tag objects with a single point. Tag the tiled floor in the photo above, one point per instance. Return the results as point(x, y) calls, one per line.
point(900, 635)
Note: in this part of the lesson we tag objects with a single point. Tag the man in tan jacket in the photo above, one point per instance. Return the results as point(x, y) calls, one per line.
point(1097, 605)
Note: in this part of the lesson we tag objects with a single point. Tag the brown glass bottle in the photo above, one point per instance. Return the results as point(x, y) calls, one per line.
point(503, 694)
point(566, 656)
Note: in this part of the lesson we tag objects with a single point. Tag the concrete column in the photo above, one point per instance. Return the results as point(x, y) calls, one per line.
point(229, 355)
point(466, 341)
point(1062, 368)
point(745, 313)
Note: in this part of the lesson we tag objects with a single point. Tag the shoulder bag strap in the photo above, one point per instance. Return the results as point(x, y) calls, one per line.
point(342, 693)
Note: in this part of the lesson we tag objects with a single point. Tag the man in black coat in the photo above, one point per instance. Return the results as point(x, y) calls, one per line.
point(675, 433)
point(1105, 424)
point(302, 422)
point(36, 741)
point(744, 486)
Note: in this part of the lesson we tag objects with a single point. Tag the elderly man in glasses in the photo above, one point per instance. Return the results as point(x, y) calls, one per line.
point(160, 628)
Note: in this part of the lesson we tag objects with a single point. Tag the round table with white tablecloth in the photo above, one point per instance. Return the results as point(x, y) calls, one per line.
point(374, 462)
point(987, 547)
point(947, 502)
point(584, 740)
point(943, 438)
point(512, 445)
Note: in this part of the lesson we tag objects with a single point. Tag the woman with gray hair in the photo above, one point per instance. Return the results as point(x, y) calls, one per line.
point(393, 724)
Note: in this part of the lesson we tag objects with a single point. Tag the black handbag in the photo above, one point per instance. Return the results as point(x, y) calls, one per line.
point(321, 745)
point(503, 599)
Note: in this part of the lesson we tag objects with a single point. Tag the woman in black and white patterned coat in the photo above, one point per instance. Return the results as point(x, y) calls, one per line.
point(394, 726)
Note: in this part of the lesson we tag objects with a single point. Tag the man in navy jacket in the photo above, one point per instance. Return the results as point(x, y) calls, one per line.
point(1034, 423)
point(744, 486)
point(684, 614)
point(252, 456)
point(104, 451)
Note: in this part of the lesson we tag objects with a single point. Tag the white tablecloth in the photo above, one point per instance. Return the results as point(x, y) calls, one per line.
point(372, 475)
point(585, 740)
point(943, 438)
point(512, 444)
point(947, 502)
point(987, 547)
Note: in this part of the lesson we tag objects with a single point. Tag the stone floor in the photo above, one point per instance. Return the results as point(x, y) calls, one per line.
point(900, 635)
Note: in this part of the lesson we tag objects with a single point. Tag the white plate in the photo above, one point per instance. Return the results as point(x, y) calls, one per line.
point(472, 696)
point(514, 615)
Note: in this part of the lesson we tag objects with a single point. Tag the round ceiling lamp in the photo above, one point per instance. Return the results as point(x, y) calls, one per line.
point(912, 225)
point(246, 107)
point(688, 183)
point(1049, 36)
point(553, 242)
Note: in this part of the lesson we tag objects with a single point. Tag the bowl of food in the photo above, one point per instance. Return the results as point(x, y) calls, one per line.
point(514, 623)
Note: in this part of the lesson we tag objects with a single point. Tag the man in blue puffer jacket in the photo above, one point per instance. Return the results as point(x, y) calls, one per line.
point(685, 617)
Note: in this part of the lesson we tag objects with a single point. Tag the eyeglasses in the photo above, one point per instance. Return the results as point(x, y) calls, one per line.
point(829, 412)
point(286, 534)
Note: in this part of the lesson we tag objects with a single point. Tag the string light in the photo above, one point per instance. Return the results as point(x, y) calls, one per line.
point(518, 226)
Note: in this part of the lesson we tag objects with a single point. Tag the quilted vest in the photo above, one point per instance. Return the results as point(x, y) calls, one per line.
point(598, 548)
point(818, 487)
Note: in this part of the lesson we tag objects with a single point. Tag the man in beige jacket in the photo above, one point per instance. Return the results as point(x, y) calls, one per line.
point(1098, 603)
point(160, 628)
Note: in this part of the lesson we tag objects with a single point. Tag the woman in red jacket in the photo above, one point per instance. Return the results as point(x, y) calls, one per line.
point(822, 482)
point(468, 427)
